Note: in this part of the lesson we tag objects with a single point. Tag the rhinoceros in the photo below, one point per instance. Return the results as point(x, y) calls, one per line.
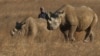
point(29, 27)
point(74, 19)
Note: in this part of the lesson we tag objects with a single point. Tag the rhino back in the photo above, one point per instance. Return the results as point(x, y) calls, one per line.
point(85, 17)
point(71, 15)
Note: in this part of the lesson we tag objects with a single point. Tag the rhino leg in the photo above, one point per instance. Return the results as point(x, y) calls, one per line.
point(89, 30)
point(89, 34)
point(71, 33)
point(66, 35)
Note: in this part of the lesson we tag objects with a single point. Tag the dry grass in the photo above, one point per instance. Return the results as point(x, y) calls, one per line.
point(45, 44)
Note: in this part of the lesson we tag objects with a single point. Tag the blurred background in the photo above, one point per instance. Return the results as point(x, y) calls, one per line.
point(46, 43)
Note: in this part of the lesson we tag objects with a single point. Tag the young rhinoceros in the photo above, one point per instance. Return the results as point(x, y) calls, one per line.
point(74, 19)
point(25, 27)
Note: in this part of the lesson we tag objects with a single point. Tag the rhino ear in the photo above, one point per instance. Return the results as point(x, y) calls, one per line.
point(61, 12)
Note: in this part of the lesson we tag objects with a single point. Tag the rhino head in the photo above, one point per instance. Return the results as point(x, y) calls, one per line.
point(54, 20)
point(18, 28)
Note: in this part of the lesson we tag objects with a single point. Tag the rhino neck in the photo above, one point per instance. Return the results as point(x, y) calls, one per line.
point(64, 25)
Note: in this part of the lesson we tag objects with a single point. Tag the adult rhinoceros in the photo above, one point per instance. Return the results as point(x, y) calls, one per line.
point(74, 19)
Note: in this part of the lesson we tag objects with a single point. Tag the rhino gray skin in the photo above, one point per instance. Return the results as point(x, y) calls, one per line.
point(73, 19)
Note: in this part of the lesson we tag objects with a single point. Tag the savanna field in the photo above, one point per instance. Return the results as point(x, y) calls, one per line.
point(46, 43)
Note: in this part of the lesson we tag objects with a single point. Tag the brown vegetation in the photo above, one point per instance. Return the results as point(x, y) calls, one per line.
point(45, 44)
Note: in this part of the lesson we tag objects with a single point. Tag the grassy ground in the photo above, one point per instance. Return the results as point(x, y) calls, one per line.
point(46, 44)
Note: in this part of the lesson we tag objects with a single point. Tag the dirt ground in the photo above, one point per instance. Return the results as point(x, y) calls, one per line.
point(45, 44)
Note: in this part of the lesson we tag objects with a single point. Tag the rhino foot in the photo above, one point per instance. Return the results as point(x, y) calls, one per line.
point(72, 39)
point(85, 41)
